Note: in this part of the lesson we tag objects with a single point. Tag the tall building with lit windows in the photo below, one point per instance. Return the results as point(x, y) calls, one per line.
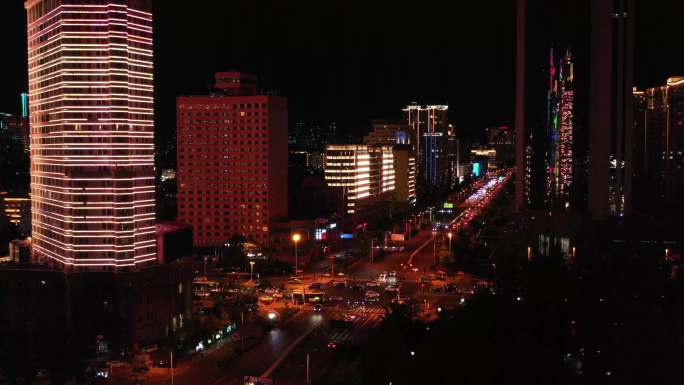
point(90, 66)
point(364, 174)
point(429, 136)
point(232, 161)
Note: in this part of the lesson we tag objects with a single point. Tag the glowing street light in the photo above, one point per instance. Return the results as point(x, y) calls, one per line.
point(251, 270)
point(295, 238)
point(450, 235)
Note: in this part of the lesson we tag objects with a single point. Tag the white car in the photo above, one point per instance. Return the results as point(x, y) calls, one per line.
point(372, 294)
point(392, 288)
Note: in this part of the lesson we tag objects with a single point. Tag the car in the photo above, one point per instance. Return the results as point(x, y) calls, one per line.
point(335, 298)
point(317, 307)
point(333, 344)
point(350, 317)
point(392, 288)
point(277, 294)
point(372, 294)
point(295, 281)
point(437, 289)
point(339, 284)
point(266, 299)
point(340, 274)
point(373, 284)
point(358, 286)
point(315, 286)
point(414, 269)
point(400, 299)
point(341, 323)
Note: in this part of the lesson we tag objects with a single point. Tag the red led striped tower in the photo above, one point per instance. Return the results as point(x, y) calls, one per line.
point(92, 133)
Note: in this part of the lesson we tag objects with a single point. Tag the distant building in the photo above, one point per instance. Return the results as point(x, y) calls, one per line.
point(500, 135)
point(311, 136)
point(18, 211)
point(428, 127)
point(232, 161)
point(388, 133)
point(363, 174)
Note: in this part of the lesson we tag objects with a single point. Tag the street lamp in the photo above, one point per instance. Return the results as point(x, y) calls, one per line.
point(450, 235)
point(251, 270)
point(295, 238)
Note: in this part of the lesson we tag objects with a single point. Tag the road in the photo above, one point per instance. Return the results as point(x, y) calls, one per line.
point(274, 347)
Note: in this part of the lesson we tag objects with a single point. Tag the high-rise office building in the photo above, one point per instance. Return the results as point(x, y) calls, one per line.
point(659, 148)
point(429, 130)
point(92, 133)
point(232, 161)
point(396, 135)
point(610, 115)
point(364, 174)
point(560, 121)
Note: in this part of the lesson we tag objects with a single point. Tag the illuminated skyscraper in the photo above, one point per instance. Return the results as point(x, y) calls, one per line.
point(560, 130)
point(92, 133)
point(428, 126)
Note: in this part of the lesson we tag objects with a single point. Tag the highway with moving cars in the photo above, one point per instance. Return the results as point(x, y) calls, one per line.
point(346, 302)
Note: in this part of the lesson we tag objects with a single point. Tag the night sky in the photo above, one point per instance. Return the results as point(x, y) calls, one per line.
point(351, 61)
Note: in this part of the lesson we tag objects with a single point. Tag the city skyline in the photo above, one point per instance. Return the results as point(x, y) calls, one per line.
point(342, 193)
point(401, 77)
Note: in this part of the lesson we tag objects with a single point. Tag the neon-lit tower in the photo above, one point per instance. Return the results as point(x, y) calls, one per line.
point(566, 124)
point(92, 128)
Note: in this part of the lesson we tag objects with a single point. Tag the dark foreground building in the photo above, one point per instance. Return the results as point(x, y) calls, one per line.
point(47, 316)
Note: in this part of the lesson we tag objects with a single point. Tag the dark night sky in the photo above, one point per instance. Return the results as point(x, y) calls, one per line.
point(350, 61)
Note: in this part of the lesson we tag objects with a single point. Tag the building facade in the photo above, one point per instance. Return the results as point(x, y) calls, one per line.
point(364, 174)
point(659, 148)
point(404, 173)
point(387, 133)
point(91, 116)
point(429, 130)
point(232, 161)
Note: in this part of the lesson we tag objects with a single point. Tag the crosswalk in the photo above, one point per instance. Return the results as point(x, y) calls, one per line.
point(363, 321)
